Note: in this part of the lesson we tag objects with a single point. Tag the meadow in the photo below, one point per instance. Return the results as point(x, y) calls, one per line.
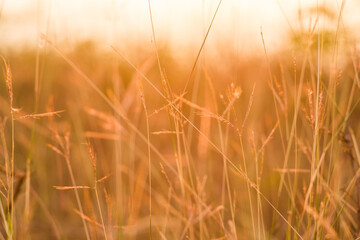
point(98, 144)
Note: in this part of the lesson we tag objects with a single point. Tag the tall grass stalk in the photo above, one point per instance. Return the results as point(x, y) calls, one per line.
point(93, 159)
point(149, 156)
point(11, 204)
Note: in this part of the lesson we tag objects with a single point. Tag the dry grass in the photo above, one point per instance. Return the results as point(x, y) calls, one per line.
point(95, 145)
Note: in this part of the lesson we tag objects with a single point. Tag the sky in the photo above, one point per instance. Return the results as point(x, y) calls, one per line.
point(180, 23)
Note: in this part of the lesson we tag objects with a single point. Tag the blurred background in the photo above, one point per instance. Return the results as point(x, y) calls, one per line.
point(179, 24)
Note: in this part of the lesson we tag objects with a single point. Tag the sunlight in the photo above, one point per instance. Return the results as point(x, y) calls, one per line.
point(179, 23)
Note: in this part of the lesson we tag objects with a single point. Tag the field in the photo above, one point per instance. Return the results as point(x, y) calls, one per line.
point(98, 144)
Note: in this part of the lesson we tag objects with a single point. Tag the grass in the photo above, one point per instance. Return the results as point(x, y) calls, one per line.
point(97, 144)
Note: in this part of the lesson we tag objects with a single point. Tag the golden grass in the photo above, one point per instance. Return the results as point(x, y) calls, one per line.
point(241, 148)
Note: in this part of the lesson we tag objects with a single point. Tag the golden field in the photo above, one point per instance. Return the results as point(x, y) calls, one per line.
point(98, 144)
